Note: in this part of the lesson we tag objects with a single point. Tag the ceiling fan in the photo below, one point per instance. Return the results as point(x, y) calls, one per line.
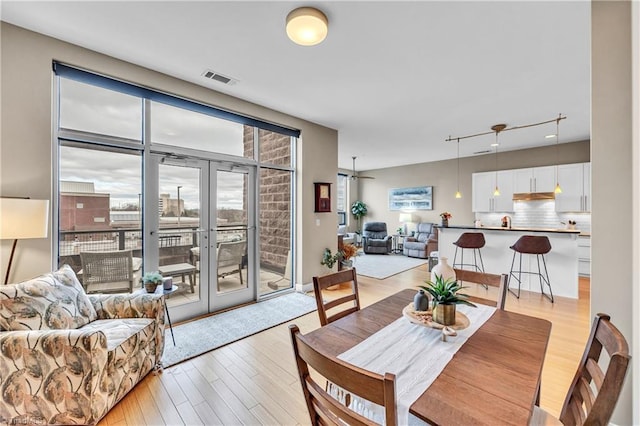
point(354, 176)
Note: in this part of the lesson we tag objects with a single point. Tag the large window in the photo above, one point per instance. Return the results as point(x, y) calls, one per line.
point(103, 150)
point(342, 198)
point(180, 127)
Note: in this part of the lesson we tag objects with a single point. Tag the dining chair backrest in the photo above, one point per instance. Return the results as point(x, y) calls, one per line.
point(114, 269)
point(325, 409)
point(353, 299)
point(486, 279)
point(593, 393)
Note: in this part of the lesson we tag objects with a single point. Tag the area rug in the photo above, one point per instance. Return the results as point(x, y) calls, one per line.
point(197, 337)
point(382, 266)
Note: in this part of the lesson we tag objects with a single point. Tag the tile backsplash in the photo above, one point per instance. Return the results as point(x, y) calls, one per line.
point(537, 214)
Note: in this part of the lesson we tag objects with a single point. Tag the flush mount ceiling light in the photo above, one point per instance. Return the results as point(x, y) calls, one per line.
point(307, 26)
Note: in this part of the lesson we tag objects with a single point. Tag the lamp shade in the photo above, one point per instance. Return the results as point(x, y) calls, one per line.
point(307, 26)
point(23, 218)
point(405, 217)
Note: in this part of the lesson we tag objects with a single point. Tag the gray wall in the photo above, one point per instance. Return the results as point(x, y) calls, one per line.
point(27, 145)
point(442, 175)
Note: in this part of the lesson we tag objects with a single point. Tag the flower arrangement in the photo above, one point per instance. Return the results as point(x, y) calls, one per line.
point(348, 251)
point(445, 215)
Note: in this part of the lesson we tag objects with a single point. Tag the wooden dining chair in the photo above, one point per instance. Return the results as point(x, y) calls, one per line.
point(323, 282)
point(593, 393)
point(486, 279)
point(323, 408)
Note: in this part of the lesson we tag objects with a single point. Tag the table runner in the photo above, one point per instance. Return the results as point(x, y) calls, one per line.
point(415, 354)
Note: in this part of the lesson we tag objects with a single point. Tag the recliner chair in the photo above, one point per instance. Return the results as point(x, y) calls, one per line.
point(375, 239)
point(423, 242)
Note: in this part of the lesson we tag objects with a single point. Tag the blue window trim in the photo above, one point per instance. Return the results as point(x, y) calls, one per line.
point(142, 92)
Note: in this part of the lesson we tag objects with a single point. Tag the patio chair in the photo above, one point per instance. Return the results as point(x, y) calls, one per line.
point(107, 271)
point(230, 258)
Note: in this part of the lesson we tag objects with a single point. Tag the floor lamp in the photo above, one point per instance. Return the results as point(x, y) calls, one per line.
point(22, 218)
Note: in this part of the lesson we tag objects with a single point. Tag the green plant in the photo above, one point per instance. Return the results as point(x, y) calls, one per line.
point(445, 291)
point(358, 210)
point(152, 277)
point(329, 259)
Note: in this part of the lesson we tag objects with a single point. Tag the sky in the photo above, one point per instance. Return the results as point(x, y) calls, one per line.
point(96, 110)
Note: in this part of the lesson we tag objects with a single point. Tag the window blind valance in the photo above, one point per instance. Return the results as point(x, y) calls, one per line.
point(105, 82)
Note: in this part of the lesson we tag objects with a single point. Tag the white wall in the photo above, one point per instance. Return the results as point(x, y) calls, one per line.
point(613, 265)
point(26, 140)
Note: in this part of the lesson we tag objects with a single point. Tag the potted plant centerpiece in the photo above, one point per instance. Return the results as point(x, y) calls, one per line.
point(444, 298)
point(151, 280)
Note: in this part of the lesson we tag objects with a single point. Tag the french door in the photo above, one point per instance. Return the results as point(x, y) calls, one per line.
point(202, 233)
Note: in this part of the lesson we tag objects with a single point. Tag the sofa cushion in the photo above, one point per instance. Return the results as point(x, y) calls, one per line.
point(53, 301)
point(120, 330)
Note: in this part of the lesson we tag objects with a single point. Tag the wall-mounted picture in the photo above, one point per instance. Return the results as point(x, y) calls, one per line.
point(416, 198)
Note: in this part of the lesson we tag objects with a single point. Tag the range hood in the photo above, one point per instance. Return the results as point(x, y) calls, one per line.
point(533, 196)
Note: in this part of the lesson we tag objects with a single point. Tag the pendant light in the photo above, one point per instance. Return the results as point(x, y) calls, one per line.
point(497, 128)
point(558, 189)
point(458, 193)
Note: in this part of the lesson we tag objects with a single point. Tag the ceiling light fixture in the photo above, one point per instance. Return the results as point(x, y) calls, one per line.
point(497, 128)
point(558, 189)
point(307, 26)
point(458, 193)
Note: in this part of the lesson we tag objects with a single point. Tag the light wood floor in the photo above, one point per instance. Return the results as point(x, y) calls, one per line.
point(254, 381)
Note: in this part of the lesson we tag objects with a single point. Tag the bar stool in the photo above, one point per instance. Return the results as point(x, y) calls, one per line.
point(529, 244)
point(469, 240)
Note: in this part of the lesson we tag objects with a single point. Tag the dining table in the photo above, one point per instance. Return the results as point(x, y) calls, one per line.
point(492, 378)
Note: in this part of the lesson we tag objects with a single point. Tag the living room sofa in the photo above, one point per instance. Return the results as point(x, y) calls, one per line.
point(424, 241)
point(68, 358)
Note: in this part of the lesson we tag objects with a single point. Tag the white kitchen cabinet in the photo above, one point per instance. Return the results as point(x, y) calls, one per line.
point(484, 184)
point(534, 179)
point(575, 181)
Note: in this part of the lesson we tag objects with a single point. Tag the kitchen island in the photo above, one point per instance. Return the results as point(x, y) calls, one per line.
point(562, 260)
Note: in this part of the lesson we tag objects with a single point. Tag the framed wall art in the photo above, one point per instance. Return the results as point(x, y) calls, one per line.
point(414, 198)
point(323, 197)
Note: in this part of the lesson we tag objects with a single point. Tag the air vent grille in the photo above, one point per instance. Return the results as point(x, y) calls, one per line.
point(216, 76)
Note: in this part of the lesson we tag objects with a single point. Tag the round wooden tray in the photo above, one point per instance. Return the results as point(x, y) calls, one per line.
point(424, 318)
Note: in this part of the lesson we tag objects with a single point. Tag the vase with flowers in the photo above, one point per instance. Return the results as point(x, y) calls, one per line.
point(151, 280)
point(445, 216)
point(347, 252)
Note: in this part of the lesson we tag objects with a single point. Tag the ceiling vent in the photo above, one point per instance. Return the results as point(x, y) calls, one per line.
point(216, 76)
point(482, 152)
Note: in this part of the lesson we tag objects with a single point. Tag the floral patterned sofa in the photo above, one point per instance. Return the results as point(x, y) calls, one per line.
point(67, 358)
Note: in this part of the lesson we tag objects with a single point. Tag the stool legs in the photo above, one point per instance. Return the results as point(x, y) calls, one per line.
point(474, 264)
point(541, 277)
